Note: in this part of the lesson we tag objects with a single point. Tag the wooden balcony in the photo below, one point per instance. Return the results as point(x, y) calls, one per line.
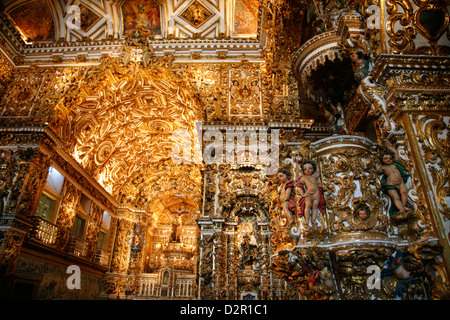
point(102, 257)
point(44, 231)
point(78, 246)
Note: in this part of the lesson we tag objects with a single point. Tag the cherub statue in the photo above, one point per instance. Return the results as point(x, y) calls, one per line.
point(394, 177)
point(287, 195)
point(311, 194)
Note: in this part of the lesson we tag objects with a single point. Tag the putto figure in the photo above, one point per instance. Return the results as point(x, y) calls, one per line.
point(287, 195)
point(393, 179)
point(312, 198)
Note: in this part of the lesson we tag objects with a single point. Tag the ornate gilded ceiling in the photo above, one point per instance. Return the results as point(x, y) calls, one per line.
point(217, 27)
point(47, 20)
point(121, 130)
point(119, 121)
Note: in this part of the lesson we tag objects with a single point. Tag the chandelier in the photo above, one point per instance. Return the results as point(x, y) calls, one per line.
point(137, 240)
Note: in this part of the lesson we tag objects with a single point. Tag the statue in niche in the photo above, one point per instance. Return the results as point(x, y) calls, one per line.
point(176, 229)
point(312, 198)
point(287, 195)
point(249, 250)
point(393, 179)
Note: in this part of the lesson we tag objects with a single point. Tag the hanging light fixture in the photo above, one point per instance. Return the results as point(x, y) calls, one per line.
point(137, 240)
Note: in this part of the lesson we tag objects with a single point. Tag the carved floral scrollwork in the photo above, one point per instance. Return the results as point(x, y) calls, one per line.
point(93, 227)
point(352, 265)
point(408, 18)
point(344, 173)
point(436, 146)
point(10, 245)
point(436, 11)
point(206, 272)
point(374, 95)
point(400, 11)
point(22, 174)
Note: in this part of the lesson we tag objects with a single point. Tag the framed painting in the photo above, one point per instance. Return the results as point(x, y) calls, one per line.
point(142, 15)
point(34, 21)
point(246, 17)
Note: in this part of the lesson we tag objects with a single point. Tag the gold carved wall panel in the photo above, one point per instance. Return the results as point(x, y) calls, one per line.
point(408, 29)
point(432, 133)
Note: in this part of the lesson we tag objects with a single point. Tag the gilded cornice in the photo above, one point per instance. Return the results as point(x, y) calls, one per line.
point(414, 83)
point(388, 68)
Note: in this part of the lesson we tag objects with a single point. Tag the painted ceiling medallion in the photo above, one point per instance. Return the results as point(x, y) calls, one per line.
point(196, 14)
point(432, 21)
point(88, 18)
point(34, 21)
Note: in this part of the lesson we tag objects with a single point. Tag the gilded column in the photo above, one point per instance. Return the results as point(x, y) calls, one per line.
point(263, 239)
point(93, 228)
point(70, 198)
point(117, 280)
point(231, 266)
point(23, 172)
point(220, 266)
point(121, 250)
point(205, 273)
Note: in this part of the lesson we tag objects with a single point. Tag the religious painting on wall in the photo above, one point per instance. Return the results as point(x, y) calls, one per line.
point(245, 93)
point(246, 17)
point(143, 16)
point(34, 21)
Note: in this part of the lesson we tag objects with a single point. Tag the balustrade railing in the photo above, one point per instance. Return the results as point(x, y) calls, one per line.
point(47, 232)
point(44, 231)
point(149, 286)
point(78, 246)
point(102, 257)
